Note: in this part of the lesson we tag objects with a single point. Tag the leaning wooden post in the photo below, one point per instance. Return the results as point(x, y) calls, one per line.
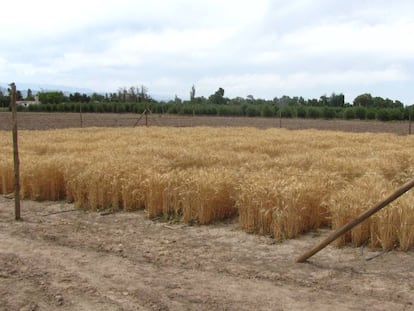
point(400, 191)
point(15, 154)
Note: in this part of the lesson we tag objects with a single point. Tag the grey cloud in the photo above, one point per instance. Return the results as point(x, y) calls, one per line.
point(264, 56)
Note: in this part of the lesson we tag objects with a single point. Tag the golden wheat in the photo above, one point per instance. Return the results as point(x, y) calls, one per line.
point(281, 183)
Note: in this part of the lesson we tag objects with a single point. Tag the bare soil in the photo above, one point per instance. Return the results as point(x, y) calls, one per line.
point(44, 121)
point(60, 258)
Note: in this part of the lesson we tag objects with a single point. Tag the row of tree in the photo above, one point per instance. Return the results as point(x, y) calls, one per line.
point(135, 99)
point(245, 110)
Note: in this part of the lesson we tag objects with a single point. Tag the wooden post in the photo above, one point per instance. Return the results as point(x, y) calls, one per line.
point(409, 121)
point(15, 154)
point(400, 191)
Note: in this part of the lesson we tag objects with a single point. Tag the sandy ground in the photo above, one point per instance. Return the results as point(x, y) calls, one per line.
point(78, 260)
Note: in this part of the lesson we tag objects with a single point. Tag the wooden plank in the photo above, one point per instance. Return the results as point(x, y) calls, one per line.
point(332, 237)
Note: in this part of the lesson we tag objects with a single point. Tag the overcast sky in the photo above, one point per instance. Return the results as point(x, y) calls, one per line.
point(264, 48)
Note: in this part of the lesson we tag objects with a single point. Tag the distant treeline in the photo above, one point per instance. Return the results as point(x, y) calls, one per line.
point(245, 110)
point(137, 100)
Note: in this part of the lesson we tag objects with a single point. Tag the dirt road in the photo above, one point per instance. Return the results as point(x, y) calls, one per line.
point(44, 121)
point(80, 260)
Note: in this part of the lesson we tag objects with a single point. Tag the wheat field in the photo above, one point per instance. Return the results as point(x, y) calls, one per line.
point(279, 182)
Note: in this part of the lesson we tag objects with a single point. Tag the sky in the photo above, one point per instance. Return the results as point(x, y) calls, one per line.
point(262, 48)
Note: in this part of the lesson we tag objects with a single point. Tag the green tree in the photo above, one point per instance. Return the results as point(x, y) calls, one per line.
point(349, 113)
point(371, 114)
point(79, 98)
point(361, 113)
point(314, 112)
point(192, 97)
point(268, 111)
point(95, 97)
point(29, 95)
point(364, 100)
point(312, 102)
point(328, 112)
point(4, 100)
point(177, 100)
point(252, 111)
point(55, 97)
point(383, 115)
point(287, 112)
point(218, 97)
point(192, 94)
point(19, 95)
point(381, 102)
point(143, 94)
point(396, 114)
point(301, 111)
point(132, 95)
point(398, 104)
point(113, 97)
point(337, 100)
point(324, 100)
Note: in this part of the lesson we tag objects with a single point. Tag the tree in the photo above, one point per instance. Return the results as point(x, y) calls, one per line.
point(133, 93)
point(192, 97)
point(364, 100)
point(177, 100)
point(98, 97)
point(398, 104)
point(312, 102)
point(286, 100)
point(218, 97)
point(79, 98)
point(29, 95)
point(337, 100)
point(361, 113)
point(238, 101)
point(200, 100)
point(19, 95)
point(56, 97)
point(250, 98)
point(192, 93)
point(4, 98)
point(122, 94)
point(113, 97)
point(349, 113)
point(381, 102)
point(143, 94)
point(328, 112)
point(323, 100)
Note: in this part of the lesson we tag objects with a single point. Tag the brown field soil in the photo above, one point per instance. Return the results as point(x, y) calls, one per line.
point(83, 260)
point(62, 258)
point(43, 121)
